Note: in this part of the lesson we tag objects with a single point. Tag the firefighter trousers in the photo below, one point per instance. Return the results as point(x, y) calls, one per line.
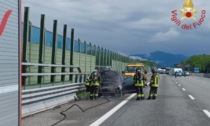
point(153, 93)
point(140, 93)
point(94, 92)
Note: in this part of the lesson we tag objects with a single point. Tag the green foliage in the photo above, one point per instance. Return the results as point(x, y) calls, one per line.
point(200, 61)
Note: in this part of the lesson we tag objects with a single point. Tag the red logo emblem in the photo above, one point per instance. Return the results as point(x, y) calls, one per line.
point(4, 21)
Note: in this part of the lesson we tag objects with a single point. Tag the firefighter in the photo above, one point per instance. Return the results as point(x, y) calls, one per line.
point(95, 80)
point(88, 85)
point(144, 77)
point(138, 82)
point(153, 85)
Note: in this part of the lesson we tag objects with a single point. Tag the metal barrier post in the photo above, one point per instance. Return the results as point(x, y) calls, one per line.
point(42, 30)
point(109, 58)
point(71, 53)
point(95, 54)
point(64, 52)
point(99, 56)
point(85, 43)
point(79, 43)
point(25, 40)
point(30, 49)
point(91, 55)
point(102, 57)
point(105, 57)
point(54, 46)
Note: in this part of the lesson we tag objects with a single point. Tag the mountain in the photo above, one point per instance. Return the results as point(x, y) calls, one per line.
point(162, 58)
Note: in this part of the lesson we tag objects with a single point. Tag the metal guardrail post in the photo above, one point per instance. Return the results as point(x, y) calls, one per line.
point(95, 54)
point(79, 44)
point(64, 52)
point(54, 46)
point(72, 53)
point(105, 57)
point(91, 55)
point(42, 30)
point(102, 57)
point(99, 56)
point(30, 49)
point(109, 58)
point(76, 77)
point(25, 41)
point(85, 48)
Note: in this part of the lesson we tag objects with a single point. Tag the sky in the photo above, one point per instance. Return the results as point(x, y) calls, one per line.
point(127, 26)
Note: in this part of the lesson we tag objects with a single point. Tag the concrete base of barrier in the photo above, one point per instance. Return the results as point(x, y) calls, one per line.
point(45, 105)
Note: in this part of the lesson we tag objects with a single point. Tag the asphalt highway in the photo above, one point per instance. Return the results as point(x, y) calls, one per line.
point(181, 101)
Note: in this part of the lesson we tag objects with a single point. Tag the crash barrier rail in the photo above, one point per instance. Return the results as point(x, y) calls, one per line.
point(38, 100)
point(74, 77)
point(43, 98)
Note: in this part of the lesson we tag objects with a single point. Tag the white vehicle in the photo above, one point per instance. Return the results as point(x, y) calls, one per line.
point(161, 71)
point(179, 71)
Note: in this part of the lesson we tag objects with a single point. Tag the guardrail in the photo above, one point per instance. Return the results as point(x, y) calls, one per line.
point(74, 77)
point(43, 98)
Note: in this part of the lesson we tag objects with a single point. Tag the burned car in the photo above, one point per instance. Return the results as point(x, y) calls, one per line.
point(111, 82)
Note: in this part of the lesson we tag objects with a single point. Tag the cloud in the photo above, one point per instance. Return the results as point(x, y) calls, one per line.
point(137, 57)
point(167, 36)
point(130, 27)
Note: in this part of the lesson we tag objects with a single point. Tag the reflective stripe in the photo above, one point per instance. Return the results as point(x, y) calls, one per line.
point(91, 95)
point(139, 84)
point(87, 83)
point(142, 95)
point(151, 95)
point(139, 95)
point(96, 95)
point(155, 95)
point(96, 83)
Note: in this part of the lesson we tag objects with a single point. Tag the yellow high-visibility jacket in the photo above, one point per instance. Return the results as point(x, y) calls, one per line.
point(155, 80)
point(138, 81)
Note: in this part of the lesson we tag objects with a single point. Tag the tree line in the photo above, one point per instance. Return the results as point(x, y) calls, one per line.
point(199, 61)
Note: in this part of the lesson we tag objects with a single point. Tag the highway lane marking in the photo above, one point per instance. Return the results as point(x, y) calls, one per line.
point(179, 85)
point(207, 113)
point(191, 97)
point(112, 111)
point(183, 89)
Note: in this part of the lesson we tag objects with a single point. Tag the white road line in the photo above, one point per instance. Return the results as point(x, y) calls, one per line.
point(183, 89)
point(179, 85)
point(112, 111)
point(191, 97)
point(176, 82)
point(207, 113)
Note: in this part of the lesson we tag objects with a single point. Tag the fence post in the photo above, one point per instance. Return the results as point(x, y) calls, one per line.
point(90, 56)
point(72, 53)
point(102, 56)
point(85, 48)
point(105, 57)
point(54, 46)
point(42, 30)
point(99, 56)
point(95, 54)
point(64, 52)
point(79, 44)
point(25, 41)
